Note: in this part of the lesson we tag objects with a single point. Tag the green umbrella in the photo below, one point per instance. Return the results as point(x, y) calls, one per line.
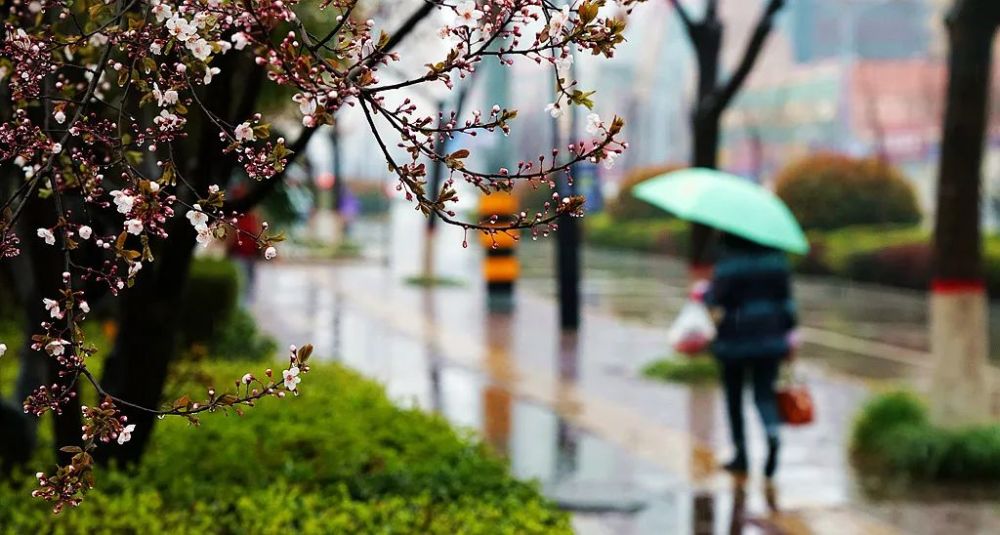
point(728, 203)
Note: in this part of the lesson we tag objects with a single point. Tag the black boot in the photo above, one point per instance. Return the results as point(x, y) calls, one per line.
point(738, 465)
point(773, 445)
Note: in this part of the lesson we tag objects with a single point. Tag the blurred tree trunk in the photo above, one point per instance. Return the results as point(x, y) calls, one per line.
point(713, 98)
point(959, 332)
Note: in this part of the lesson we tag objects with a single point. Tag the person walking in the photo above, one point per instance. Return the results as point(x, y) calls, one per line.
point(751, 288)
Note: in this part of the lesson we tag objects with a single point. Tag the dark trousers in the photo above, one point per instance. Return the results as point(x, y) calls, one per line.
point(764, 374)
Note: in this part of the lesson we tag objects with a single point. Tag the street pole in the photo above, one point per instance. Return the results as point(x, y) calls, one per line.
point(568, 235)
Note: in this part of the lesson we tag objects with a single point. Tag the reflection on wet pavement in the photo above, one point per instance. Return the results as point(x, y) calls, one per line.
point(625, 455)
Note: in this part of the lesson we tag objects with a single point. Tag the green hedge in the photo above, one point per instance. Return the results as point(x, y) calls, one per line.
point(340, 458)
point(663, 236)
point(702, 369)
point(893, 437)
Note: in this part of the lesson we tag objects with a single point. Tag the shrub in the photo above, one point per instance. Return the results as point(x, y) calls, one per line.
point(340, 458)
point(210, 297)
point(702, 369)
point(827, 191)
point(625, 207)
point(665, 236)
point(240, 339)
point(903, 266)
point(892, 436)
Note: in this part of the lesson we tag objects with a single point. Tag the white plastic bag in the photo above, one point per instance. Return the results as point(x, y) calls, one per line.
point(693, 330)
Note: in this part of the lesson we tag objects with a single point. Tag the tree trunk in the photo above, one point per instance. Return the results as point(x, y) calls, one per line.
point(707, 40)
point(959, 336)
point(138, 366)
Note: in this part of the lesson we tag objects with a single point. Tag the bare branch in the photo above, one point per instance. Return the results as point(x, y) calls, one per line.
point(725, 94)
point(683, 14)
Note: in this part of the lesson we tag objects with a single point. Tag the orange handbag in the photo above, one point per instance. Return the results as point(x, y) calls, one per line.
point(795, 403)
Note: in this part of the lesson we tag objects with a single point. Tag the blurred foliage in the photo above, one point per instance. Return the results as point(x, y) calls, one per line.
point(210, 297)
point(698, 370)
point(891, 255)
point(238, 338)
point(532, 196)
point(827, 191)
point(423, 281)
point(339, 458)
point(664, 236)
point(893, 437)
point(625, 207)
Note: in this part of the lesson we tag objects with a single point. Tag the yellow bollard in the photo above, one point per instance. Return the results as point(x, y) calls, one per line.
point(500, 267)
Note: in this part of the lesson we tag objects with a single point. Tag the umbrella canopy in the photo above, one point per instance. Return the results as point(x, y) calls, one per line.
point(728, 203)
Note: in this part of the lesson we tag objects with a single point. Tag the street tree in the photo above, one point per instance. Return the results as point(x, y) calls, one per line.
point(959, 323)
point(712, 96)
point(122, 121)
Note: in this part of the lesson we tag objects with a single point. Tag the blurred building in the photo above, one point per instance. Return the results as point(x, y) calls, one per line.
point(864, 77)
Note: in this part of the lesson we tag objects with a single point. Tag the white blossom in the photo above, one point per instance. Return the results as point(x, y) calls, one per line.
point(133, 226)
point(306, 102)
point(558, 21)
point(164, 98)
point(126, 434)
point(123, 201)
point(134, 269)
point(59, 116)
point(291, 377)
point(240, 40)
point(209, 73)
point(204, 235)
point(52, 306)
point(47, 235)
point(162, 12)
point(197, 217)
point(84, 232)
point(594, 124)
point(554, 110)
point(244, 132)
point(467, 13)
point(181, 28)
point(270, 253)
point(84, 307)
point(3, 349)
point(609, 159)
point(56, 347)
point(200, 49)
point(98, 39)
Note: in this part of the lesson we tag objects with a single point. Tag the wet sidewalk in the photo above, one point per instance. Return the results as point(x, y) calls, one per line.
point(628, 455)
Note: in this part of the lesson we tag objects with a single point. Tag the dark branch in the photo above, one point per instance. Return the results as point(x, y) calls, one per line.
point(683, 14)
point(725, 94)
